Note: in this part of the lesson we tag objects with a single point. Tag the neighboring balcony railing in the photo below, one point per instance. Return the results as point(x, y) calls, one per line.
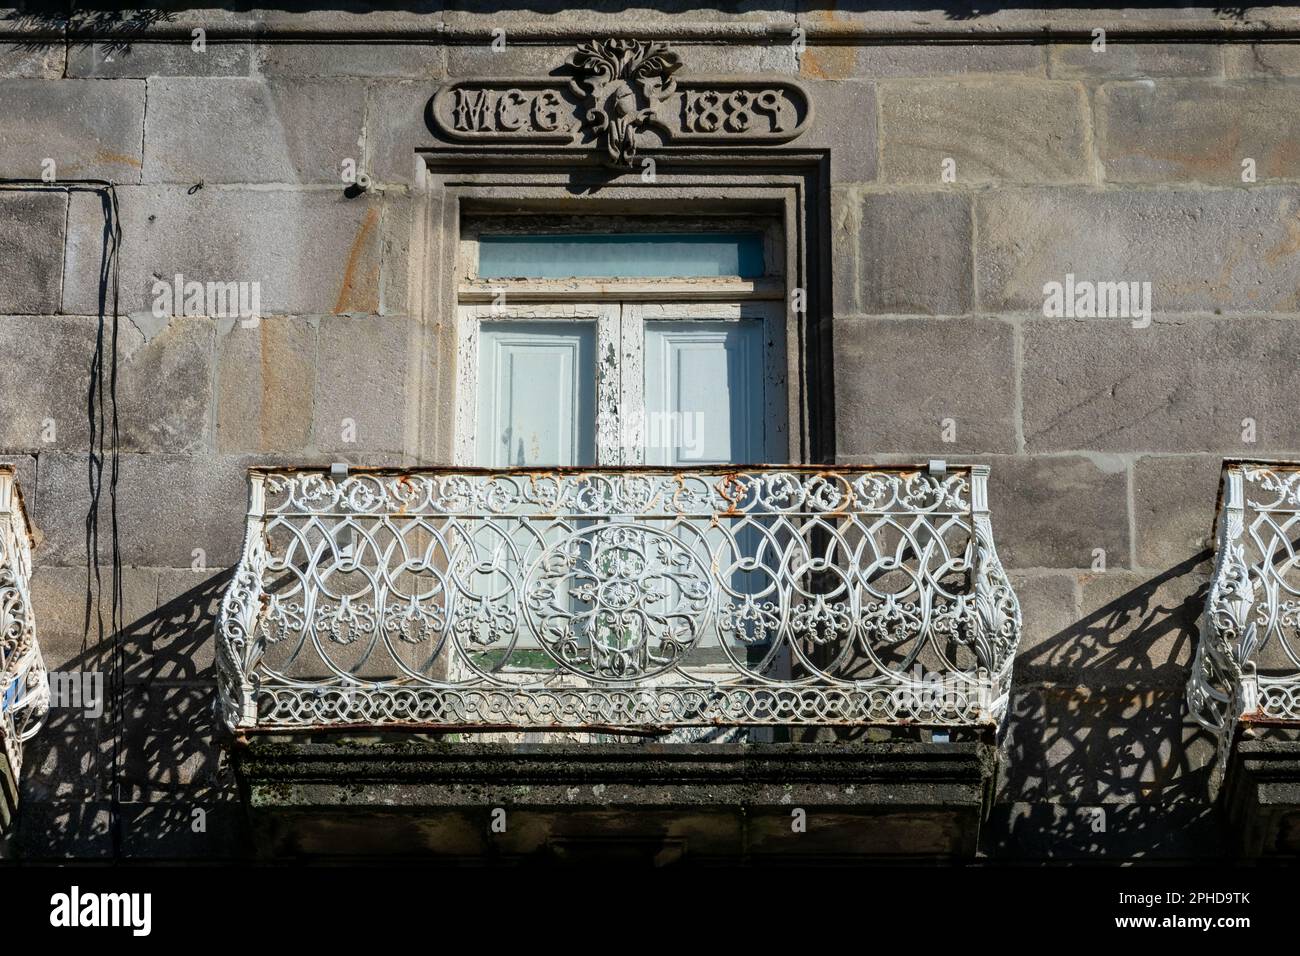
point(24, 685)
point(1247, 666)
point(640, 599)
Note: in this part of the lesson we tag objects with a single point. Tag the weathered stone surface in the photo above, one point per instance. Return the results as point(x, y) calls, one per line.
point(310, 251)
point(59, 597)
point(1262, 59)
point(1192, 131)
point(545, 18)
point(851, 135)
point(402, 213)
point(1173, 508)
point(899, 380)
point(31, 233)
point(1049, 605)
point(68, 760)
point(136, 25)
point(289, 131)
point(514, 59)
point(91, 129)
point(915, 253)
point(1131, 627)
point(361, 384)
point(396, 125)
point(168, 506)
point(423, 60)
point(886, 61)
point(533, 59)
point(996, 131)
point(594, 19)
point(727, 58)
point(38, 61)
point(176, 642)
point(1090, 399)
point(1202, 250)
point(265, 383)
point(63, 480)
point(1122, 743)
point(169, 741)
point(164, 390)
point(1103, 385)
point(846, 214)
point(1134, 60)
point(177, 58)
point(1054, 512)
point(46, 374)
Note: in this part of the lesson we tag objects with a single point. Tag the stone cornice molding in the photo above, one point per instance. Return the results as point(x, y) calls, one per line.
point(1173, 24)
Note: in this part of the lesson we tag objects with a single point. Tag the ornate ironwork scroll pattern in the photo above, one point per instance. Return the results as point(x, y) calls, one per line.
point(617, 598)
point(24, 686)
point(1247, 663)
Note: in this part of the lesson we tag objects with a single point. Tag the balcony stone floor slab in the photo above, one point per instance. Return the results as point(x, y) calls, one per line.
point(1261, 796)
point(386, 798)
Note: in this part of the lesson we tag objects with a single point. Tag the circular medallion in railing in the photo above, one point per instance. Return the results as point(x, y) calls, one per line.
point(617, 602)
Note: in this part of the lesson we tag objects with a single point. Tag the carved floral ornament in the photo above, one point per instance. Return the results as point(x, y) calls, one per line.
point(623, 95)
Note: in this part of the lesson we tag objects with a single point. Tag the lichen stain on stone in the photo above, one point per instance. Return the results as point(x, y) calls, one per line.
point(103, 156)
point(1206, 162)
point(349, 288)
point(828, 62)
point(265, 378)
point(1286, 247)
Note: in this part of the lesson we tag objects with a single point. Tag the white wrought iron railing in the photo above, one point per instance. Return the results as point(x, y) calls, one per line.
point(1247, 666)
point(24, 685)
point(634, 598)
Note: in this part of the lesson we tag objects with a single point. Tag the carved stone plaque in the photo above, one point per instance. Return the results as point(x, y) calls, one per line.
point(623, 94)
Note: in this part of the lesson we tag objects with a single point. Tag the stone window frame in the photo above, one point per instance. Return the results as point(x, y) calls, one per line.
point(792, 186)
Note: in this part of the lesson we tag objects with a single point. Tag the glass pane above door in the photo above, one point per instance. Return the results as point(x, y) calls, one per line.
point(620, 255)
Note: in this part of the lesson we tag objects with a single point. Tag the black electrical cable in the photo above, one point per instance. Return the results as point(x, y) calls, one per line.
point(102, 431)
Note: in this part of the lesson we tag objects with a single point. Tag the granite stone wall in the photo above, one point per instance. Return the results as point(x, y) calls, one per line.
point(966, 174)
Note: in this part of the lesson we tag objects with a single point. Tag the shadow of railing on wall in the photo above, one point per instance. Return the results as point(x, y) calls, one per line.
point(139, 772)
point(1102, 755)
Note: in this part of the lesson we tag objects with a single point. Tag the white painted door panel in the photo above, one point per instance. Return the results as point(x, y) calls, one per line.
point(704, 401)
point(536, 387)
